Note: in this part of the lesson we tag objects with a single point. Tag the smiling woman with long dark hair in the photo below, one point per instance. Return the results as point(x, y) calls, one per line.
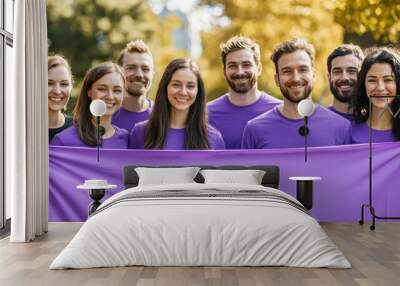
point(178, 120)
point(379, 77)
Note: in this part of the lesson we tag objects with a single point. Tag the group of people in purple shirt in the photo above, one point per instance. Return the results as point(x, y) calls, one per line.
point(179, 118)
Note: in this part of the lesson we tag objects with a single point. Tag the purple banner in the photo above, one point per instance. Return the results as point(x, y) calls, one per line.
point(337, 197)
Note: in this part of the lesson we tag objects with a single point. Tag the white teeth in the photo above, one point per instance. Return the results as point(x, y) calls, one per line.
point(181, 100)
point(241, 80)
point(108, 104)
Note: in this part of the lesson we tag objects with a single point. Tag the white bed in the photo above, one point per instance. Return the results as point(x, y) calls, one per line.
point(201, 224)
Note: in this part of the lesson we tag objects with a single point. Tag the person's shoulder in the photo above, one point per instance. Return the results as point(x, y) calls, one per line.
point(120, 131)
point(264, 117)
point(260, 125)
point(141, 124)
point(267, 98)
point(68, 131)
point(331, 115)
point(332, 120)
point(139, 127)
point(66, 136)
point(215, 138)
point(121, 135)
point(212, 131)
point(218, 101)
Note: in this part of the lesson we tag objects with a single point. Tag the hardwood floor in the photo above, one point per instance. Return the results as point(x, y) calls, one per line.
point(374, 255)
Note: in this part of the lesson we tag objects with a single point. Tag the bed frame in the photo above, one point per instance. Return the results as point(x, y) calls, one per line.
point(270, 179)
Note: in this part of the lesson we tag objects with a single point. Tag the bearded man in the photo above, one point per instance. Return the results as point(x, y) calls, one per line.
point(137, 63)
point(280, 127)
point(344, 63)
point(231, 112)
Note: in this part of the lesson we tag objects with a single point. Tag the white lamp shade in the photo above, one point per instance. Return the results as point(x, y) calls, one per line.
point(305, 107)
point(98, 107)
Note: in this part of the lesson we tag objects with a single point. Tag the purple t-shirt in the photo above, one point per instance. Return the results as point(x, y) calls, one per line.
point(348, 116)
point(273, 130)
point(231, 119)
point(127, 119)
point(175, 138)
point(360, 134)
point(70, 137)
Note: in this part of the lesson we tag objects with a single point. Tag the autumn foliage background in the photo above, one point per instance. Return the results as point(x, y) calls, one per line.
point(87, 32)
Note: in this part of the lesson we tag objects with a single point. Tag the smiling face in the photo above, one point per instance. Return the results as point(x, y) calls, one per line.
point(295, 75)
point(108, 88)
point(380, 81)
point(59, 88)
point(182, 90)
point(241, 71)
point(343, 76)
point(139, 71)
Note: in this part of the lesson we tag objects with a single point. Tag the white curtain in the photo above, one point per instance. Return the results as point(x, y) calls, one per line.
point(26, 124)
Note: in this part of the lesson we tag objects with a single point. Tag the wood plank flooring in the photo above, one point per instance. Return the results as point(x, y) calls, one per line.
point(374, 255)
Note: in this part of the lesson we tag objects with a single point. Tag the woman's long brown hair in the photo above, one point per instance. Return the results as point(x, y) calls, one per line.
point(360, 101)
point(83, 119)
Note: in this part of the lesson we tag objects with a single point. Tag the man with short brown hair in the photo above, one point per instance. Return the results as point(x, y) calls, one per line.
point(280, 127)
point(138, 66)
point(242, 68)
point(343, 64)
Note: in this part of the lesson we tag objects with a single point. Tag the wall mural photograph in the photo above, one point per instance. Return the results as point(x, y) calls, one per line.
point(205, 76)
point(216, 133)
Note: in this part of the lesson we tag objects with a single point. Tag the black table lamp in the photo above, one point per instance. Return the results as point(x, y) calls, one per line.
point(305, 108)
point(98, 108)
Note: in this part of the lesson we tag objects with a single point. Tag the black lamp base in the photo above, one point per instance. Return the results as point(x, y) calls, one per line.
point(96, 195)
point(305, 193)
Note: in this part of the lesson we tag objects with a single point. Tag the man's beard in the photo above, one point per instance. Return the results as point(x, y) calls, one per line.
point(345, 96)
point(306, 93)
point(134, 91)
point(242, 87)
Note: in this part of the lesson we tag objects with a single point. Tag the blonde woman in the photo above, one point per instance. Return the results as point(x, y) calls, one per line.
point(59, 91)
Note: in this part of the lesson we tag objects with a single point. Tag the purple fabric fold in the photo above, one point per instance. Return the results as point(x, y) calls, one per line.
point(337, 197)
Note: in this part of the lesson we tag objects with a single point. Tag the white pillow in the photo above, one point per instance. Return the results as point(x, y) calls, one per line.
point(166, 176)
point(248, 177)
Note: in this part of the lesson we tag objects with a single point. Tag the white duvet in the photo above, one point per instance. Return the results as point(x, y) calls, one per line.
point(183, 231)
